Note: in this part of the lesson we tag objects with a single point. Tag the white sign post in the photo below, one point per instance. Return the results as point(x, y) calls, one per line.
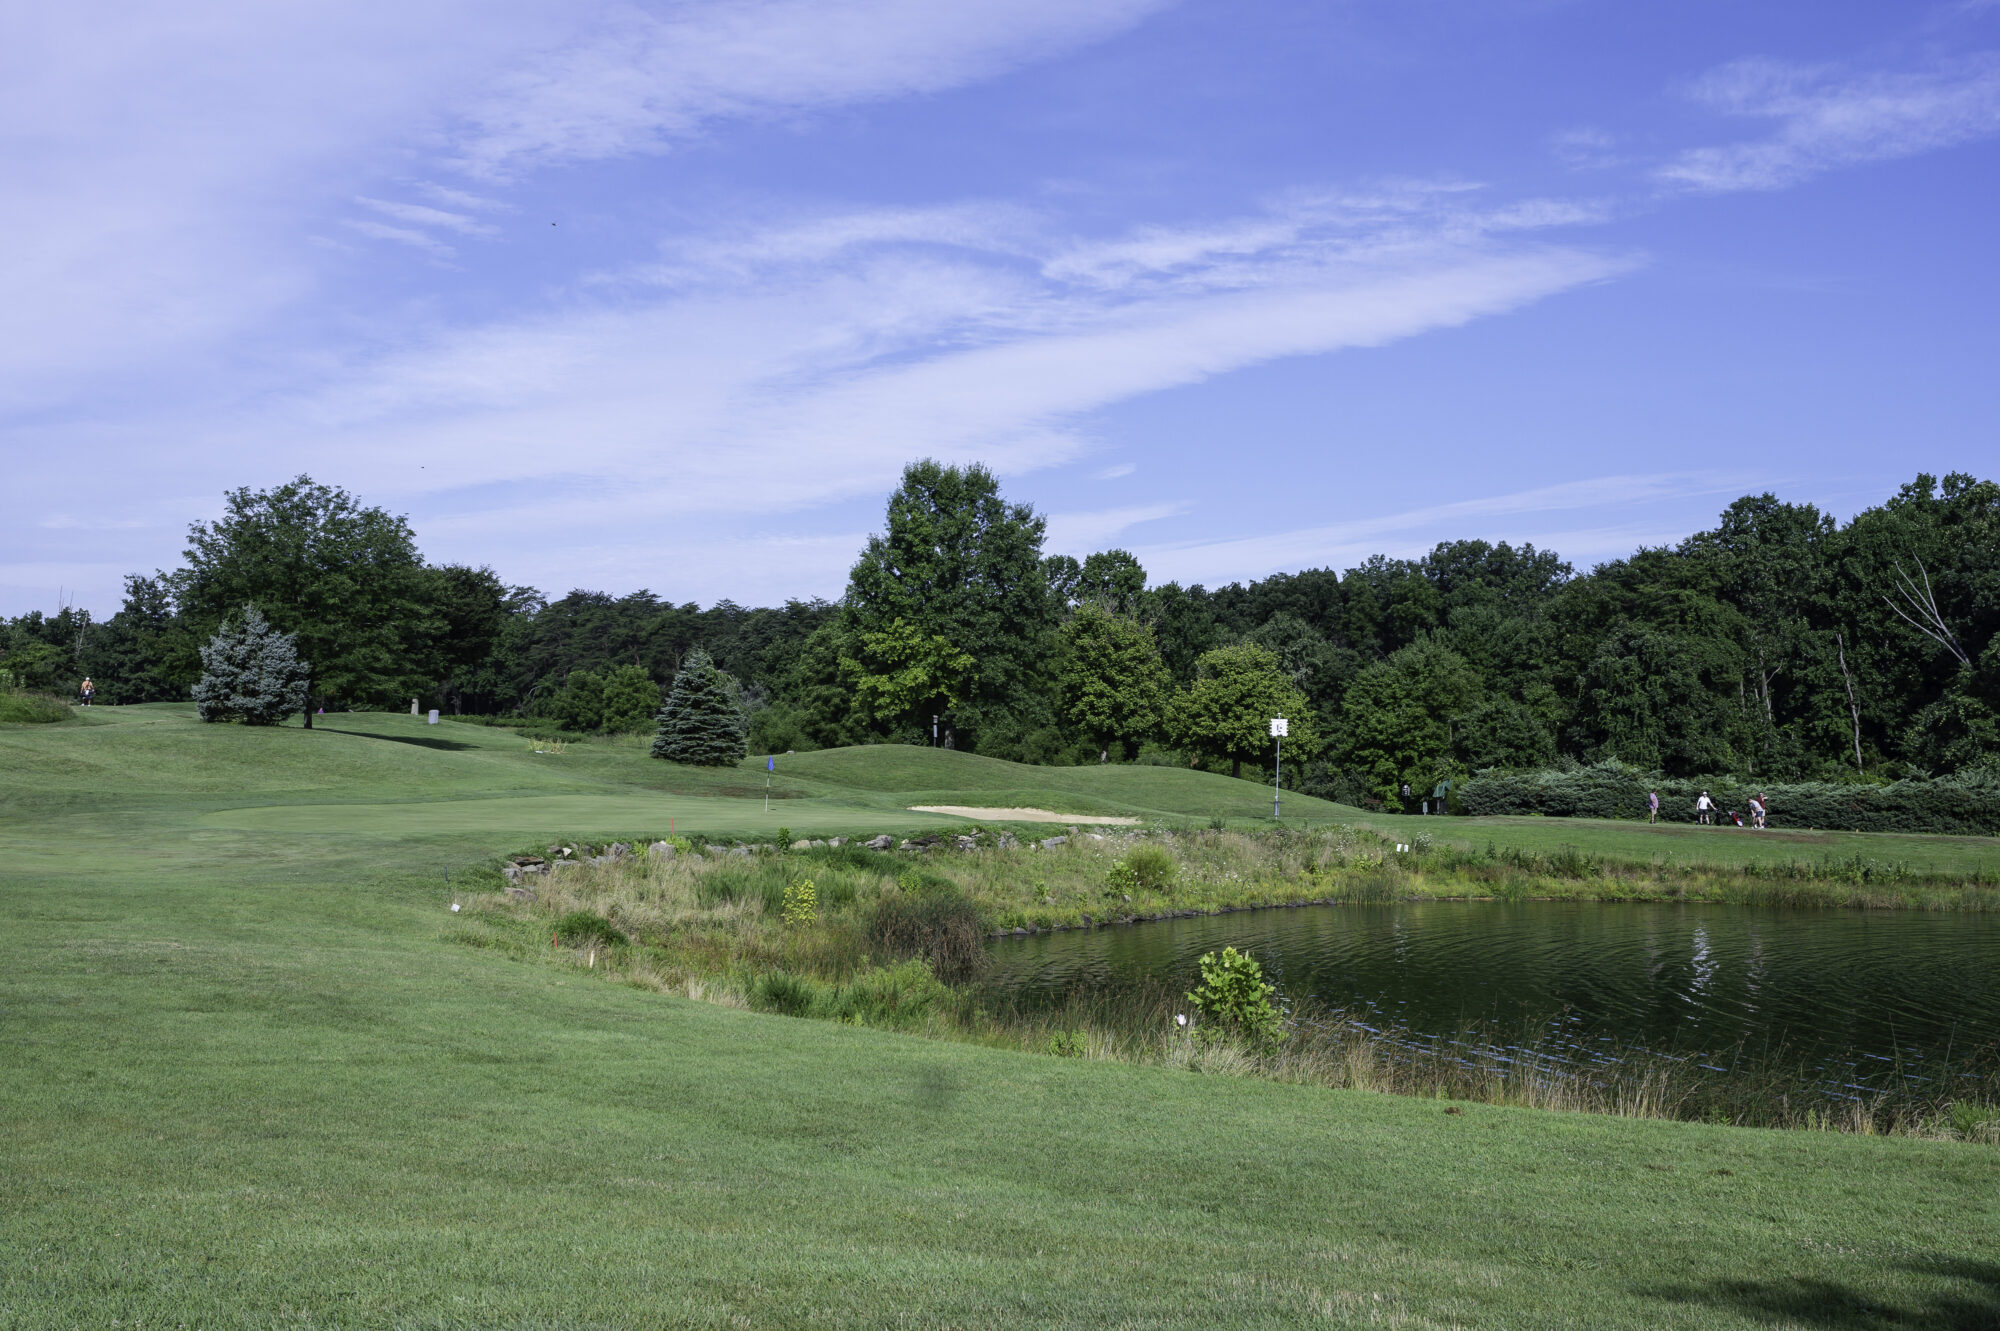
point(1279, 729)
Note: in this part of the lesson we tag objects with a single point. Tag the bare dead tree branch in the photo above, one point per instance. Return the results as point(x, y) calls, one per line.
point(1853, 707)
point(1924, 602)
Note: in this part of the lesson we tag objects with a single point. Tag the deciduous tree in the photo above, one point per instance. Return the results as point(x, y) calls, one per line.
point(959, 562)
point(1112, 684)
point(1226, 712)
point(344, 579)
point(904, 676)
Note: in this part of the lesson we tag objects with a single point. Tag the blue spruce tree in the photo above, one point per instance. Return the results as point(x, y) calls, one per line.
point(700, 723)
point(251, 672)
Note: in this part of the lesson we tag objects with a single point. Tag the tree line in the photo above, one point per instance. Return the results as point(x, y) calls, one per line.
point(1778, 645)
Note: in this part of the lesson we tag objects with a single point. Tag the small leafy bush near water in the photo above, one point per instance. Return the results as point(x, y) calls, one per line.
point(1235, 998)
point(31, 708)
point(1144, 868)
point(1975, 1121)
point(1069, 1043)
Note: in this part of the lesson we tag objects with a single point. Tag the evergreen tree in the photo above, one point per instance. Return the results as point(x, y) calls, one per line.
point(700, 724)
point(251, 671)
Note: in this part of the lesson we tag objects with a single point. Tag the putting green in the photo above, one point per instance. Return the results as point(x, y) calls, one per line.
point(568, 814)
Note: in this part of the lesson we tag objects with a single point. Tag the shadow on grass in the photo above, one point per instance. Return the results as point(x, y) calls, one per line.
point(1824, 1303)
point(421, 741)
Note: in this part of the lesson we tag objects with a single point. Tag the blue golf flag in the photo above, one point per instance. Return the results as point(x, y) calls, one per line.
point(771, 764)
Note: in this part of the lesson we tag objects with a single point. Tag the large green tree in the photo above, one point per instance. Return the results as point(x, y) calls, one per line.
point(342, 578)
point(1113, 579)
point(1112, 683)
point(1226, 713)
point(903, 677)
point(1402, 717)
point(957, 561)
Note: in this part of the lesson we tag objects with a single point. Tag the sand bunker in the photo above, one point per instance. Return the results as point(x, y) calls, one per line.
point(1019, 815)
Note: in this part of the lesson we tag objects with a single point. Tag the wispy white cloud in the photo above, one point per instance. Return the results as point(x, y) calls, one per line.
point(1826, 120)
point(789, 393)
point(401, 235)
point(1586, 148)
point(1517, 516)
point(641, 80)
point(417, 214)
point(1115, 471)
point(463, 200)
point(171, 179)
point(1081, 533)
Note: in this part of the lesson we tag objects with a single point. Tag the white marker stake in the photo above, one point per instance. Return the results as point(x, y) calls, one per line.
point(1279, 729)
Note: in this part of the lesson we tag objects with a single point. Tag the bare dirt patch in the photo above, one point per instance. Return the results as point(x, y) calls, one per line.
point(1021, 815)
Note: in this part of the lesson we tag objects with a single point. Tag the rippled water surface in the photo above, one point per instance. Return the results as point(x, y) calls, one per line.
point(1869, 989)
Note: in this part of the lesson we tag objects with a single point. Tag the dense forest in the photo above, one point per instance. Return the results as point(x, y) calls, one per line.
point(1778, 645)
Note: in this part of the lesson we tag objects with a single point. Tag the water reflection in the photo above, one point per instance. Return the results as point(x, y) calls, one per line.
point(1864, 996)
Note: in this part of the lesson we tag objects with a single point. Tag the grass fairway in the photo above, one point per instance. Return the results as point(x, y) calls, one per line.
point(248, 1082)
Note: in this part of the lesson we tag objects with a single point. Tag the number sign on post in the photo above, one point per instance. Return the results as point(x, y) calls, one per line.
point(1279, 729)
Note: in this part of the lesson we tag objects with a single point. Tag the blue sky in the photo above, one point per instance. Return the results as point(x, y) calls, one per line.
point(613, 295)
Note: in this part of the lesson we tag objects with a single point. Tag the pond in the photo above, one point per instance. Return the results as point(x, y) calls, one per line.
point(1862, 998)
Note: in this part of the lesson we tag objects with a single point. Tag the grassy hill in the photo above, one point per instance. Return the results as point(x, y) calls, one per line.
point(246, 1082)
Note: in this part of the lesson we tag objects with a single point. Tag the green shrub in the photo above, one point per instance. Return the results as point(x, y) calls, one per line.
point(932, 920)
point(629, 700)
point(1966, 804)
point(891, 996)
point(32, 708)
point(1972, 1120)
point(801, 903)
point(902, 995)
point(783, 992)
point(1236, 999)
point(838, 890)
point(581, 927)
point(1152, 866)
point(1068, 1044)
